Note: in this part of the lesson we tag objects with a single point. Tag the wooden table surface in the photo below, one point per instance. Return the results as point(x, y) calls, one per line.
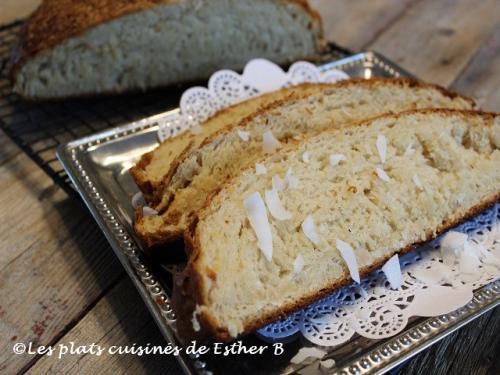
point(61, 283)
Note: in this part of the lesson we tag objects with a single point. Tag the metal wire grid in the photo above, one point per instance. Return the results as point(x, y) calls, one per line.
point(38, 128)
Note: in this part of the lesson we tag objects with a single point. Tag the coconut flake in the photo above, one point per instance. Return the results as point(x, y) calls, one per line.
point(336, 159)
point(346, 112)
point(436, 275)
point(257, 216)
point(196, 129)
point(269, 142)
point(245, 136)
point(382, 147)
point(305, 353)
point(278, 183)
point(417, 182)
point(194, 319)
point(409, 150)
point(305, 157)
point(382, 175)
point(362, 291)
point(260, 169)
point(275, 206)
point(309, 230)
point(148, 211)
point(327, 363)
point(469, 262)
point(298, 264)
point(452, 245)
point(348, 254)
point(392, 271)
point(291, 181)
point(138, 200)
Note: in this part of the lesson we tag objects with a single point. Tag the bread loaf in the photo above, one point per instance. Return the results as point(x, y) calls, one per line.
point(200, 173)
point(441, 167)
point(152, 169)
point(74, 48)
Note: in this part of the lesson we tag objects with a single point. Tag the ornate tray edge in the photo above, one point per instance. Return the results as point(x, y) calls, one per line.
point(381, 359)
point(125, 248)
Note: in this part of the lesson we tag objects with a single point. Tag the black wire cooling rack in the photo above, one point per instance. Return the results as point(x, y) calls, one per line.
point(38, 128)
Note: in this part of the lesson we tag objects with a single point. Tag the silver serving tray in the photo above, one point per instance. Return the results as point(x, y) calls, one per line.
point(98, 167)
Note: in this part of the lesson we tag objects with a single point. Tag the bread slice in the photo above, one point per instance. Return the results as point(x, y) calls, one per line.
point(152, 169)
point(222, 156)
point(75, 48)
point(442, 165)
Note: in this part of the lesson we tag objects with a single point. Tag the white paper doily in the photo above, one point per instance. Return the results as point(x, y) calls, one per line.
point(430, 288)
point(227, 87)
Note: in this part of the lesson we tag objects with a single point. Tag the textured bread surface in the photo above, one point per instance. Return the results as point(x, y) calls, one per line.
point(152, 169)
point(74, 48)
point(232, 288)
point(201, 172)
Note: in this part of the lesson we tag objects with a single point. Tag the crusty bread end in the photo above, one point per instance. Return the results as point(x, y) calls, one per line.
point(78, 48)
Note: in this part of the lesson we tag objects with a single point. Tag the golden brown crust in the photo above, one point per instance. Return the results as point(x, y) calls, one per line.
point(317, 23)
point(163, 237)
point(153, 192)
point(189, 283)
point(146, 186)
point(167, 236)
point(150, 188)
point(157, 198)
point(56, 21)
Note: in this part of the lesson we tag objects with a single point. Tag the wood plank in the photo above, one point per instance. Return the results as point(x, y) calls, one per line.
point(9, 149)
point(481, 78)
point(436, 39)
point(54, 262)
point(353, 24)
point(119, 319)
point(14, 190)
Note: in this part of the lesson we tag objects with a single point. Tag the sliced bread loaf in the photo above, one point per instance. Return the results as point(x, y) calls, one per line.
point(74, 48)
point(151, 170)
point(222, 156)
point(438, 168)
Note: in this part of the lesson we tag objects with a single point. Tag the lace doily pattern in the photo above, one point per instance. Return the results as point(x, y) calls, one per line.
point(429, 288)
point(227, 87)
